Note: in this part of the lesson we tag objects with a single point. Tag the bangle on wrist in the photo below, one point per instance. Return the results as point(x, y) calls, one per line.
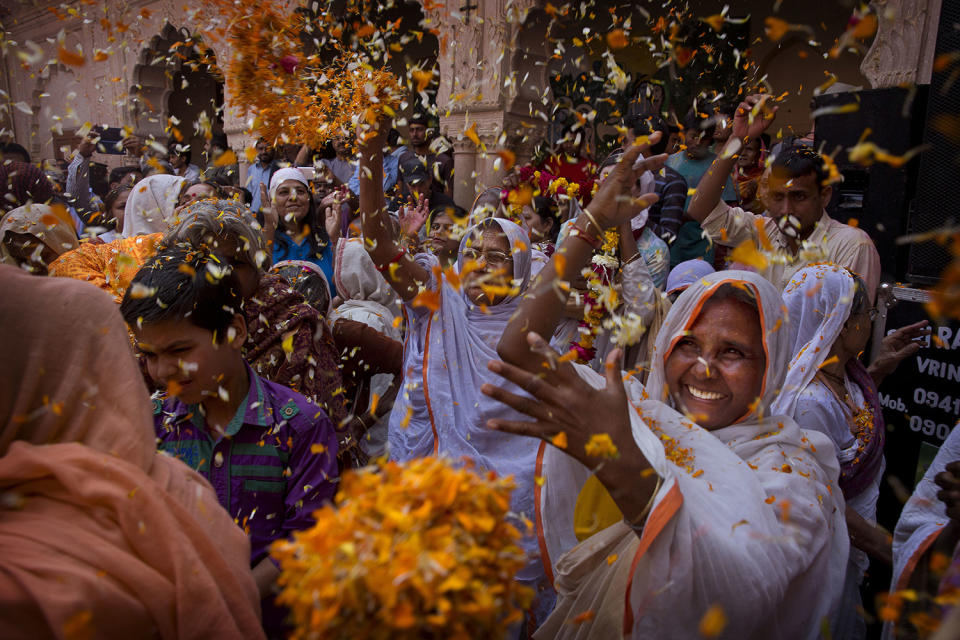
point(637, 523)
point(632, 258)
point(386, 267)
point(579, 232)
point(593, 221)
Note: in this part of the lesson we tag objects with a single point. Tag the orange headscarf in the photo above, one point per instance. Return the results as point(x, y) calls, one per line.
point(110, 266)
point(100, 536)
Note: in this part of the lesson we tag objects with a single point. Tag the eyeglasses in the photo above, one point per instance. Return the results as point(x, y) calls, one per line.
point(492, 258)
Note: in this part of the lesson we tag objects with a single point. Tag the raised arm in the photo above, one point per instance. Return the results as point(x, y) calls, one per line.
point(303, 155)
point(542, 308)
point(751, 119)
point(397, 267)
point(78, 178)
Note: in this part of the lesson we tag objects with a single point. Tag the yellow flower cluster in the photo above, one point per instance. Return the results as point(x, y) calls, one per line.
point(418, 550)
point(601, 445)
point(611, 240)
point(561, 186)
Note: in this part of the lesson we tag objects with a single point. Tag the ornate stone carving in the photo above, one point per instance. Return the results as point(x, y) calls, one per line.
point(902, 51)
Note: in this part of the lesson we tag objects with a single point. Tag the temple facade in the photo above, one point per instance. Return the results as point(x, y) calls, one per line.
point(512, 70)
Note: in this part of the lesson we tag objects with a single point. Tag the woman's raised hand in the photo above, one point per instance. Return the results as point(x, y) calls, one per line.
point(563, 403)
point(270, 218)
point(614, 203)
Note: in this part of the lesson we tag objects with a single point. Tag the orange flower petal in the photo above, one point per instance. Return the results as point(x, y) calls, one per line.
point(70, 58)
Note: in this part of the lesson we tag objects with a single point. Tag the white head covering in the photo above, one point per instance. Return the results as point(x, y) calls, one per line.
point(819, 299)
point(282, 175)
point(39, 221)
point(150, 206)
point(440, 409)
point(519, 251)
point(687, 272)
point(748, 517)
point(368, 298)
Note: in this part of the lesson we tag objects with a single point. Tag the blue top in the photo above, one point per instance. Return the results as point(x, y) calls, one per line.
point(391, 171)
point(691, 242)
point(257, 175)
point(692, 170)
point(286, 248)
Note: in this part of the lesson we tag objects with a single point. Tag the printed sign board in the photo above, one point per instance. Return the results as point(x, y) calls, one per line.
point(921, 399)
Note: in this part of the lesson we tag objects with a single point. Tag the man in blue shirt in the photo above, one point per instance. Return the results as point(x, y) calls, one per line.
point(692, 163)
point(261, 171)
point(391, 164)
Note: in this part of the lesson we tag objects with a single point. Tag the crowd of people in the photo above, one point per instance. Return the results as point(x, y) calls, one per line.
point(664, 350)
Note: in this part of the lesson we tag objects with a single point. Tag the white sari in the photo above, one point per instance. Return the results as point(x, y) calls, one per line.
point(440, 409)
point(819, 300)
point(748, 519)
point(922, 519)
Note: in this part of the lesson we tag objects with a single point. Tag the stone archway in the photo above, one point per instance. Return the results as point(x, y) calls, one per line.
point(177, 90)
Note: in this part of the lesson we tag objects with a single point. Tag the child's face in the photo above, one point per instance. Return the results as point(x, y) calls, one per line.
point(185, 360)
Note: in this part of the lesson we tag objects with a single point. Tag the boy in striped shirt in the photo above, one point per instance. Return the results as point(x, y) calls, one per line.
point(269, 453)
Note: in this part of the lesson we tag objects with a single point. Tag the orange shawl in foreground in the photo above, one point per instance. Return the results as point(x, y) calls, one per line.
point(100, 536)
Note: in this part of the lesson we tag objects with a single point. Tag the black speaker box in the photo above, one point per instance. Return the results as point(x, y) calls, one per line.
point(877, 196)
point(935, 205)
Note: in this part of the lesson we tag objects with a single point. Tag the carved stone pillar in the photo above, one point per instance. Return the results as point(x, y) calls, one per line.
point(903, 49)
point(487, 78)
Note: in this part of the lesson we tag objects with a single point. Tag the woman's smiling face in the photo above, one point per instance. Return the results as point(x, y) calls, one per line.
point(488, 267)
point(715, 372)
point(292, 201)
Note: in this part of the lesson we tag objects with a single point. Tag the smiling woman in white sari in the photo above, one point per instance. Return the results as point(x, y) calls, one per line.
point(732, 521)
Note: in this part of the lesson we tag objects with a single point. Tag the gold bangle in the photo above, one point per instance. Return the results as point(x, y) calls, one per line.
point(596, 225)
point(637, 523)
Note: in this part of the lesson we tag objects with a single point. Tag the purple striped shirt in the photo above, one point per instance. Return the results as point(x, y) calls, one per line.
point(266, 469)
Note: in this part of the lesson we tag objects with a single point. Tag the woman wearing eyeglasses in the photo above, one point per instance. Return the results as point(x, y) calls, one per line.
point(455, 319)
point(827, 389)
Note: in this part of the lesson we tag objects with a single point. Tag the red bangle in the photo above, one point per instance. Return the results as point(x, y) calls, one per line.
point(397, 259)
point(579, 232)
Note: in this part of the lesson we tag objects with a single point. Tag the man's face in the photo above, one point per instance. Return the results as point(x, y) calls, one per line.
point(698, 144)
point(340, 147)
point(421, 190)
point(795, 203)
point(570, 144)
point(265, 153)
point(418, 135)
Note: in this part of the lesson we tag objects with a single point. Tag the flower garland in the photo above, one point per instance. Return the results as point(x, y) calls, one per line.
point(601, 297)
point(862, 428)
point(413, 550)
